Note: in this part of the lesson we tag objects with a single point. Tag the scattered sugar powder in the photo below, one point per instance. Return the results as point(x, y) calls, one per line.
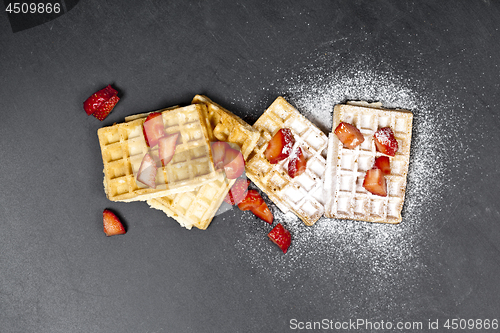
point(336, 249)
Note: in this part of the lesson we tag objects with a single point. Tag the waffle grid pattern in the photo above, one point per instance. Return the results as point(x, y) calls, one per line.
point(347, 167)
point(303, 195)
point(123, 147)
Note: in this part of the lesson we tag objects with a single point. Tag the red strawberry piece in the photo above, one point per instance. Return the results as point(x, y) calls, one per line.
point(280, 146)
point(297, 163)
point(281, 237)
point(147, 171)
point(383, 163)
point(238, 192)
point(112, 224)
point(251, 201)
point(218, 153)
point(375, 182)
point(94, 102)
point(349, 135)
point(166, 147)
point(153, 128)
point(264, 213)
point(234, 164)
point(106, 108)
point(385, 141)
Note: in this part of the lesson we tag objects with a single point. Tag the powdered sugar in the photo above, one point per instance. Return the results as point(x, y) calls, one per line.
point(332, 245)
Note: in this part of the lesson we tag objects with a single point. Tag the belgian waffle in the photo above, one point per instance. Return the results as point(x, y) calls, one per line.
point(303, 195)
point(198, 207)
point(346, 168)
point(123, 146)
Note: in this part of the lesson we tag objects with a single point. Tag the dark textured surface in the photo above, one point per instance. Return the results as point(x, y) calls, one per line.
point(59, 273)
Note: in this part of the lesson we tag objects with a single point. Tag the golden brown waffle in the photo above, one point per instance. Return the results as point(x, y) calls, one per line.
point(123, 147)
point(346, 168)
point(198, 207)
point(228, 127)
point(304, 194)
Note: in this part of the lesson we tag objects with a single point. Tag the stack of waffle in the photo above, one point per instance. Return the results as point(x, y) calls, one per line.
point(188, 189)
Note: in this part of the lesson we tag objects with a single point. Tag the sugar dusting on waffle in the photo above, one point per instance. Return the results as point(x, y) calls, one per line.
point(336, 249)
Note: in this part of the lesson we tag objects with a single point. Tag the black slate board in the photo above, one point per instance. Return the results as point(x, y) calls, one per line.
point(59, 273)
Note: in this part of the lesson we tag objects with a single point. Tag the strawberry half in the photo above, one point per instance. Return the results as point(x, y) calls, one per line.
point(94, 102)
point(153, 128)
point(251, 201)
point(383, 163)
point(349, 135)
point(234, 164)
point(374, 182)
point(385, 141)
point(281, 237)
point(297, 163)
point(106, 108)
point(147, 171)
point(218, 153)
point(280, 146)
point(263, 212)
point(112, 224)
point(166, 148)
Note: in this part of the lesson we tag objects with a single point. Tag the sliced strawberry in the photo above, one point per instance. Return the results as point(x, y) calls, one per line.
point(166, 147)
point(94, 102)
point(281, 237)
point(234, 164)
point(385, 141)
point(147, 171)
point(218, 153)
point(264, 213)
point(238, 192)
point(112, 224)
point(383, 163)
point(280, 146)
point(375, 182)
point(153, 129)
point(297, 163)
point(106, 108)
point(349, 135)
point(251, 201)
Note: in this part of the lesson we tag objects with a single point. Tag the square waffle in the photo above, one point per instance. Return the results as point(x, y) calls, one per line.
point(346, 168)
point(304, 194)
point(198, 207)
point(123, 146)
